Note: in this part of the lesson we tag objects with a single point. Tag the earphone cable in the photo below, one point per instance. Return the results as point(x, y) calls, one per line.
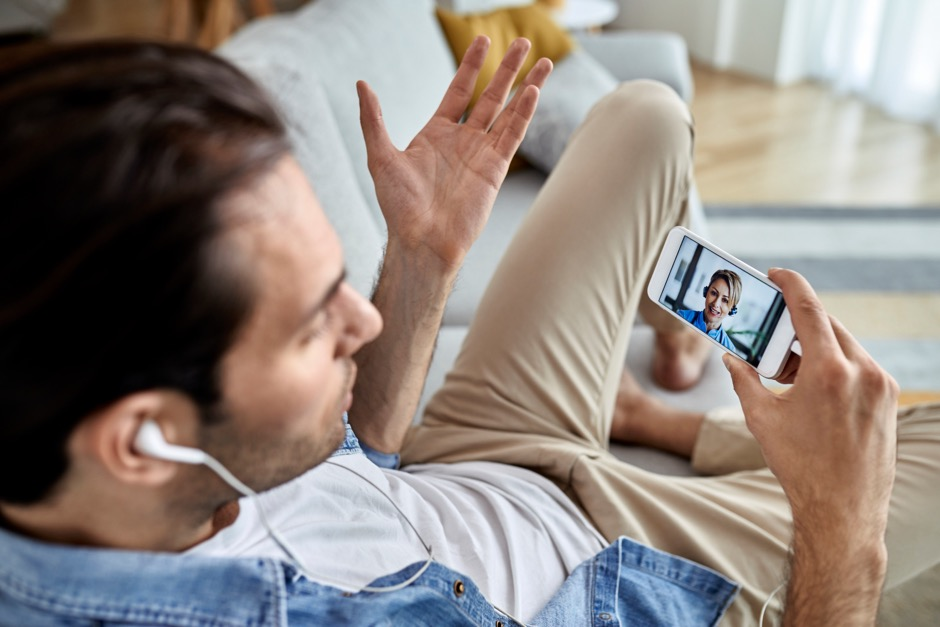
point(763, 610)
point(292, 554)
point(427, 546)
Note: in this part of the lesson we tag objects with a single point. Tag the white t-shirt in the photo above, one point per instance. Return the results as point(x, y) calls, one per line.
point(513, 532)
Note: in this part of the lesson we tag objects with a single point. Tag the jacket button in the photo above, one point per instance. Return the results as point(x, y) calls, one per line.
point(459, 588)
point(499, 623)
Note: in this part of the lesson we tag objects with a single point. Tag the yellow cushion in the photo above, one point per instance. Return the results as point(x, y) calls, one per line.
point(503, 26)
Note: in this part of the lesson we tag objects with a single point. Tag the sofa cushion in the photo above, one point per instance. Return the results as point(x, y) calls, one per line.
point(630, 55)
point(503, 27)
point(575, 85)
point(512, 204)
point(397, 47)
point(320, 150)
point(449, 342)
point(480, 6)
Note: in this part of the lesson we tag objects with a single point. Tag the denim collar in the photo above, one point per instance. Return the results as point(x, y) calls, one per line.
point(134, 586)
point(150, 587)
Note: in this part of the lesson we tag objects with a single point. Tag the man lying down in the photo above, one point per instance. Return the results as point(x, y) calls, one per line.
point(177, 335)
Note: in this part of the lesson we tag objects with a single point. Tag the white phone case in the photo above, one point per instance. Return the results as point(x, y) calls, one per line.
point(748, 319)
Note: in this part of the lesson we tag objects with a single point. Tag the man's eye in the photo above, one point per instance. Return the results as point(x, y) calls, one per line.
point(318, 328)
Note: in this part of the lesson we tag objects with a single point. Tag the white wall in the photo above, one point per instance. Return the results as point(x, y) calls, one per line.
point(755, 31)
point(693, 19)
point(762, 38)
point(793, 63)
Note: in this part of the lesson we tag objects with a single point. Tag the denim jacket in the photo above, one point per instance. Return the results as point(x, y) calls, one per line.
point(47, 584)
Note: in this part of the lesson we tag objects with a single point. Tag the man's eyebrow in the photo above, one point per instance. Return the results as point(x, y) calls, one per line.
point(330, 293)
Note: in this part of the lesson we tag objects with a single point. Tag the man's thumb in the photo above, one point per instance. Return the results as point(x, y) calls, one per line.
point(746, 382)
point(373, 126)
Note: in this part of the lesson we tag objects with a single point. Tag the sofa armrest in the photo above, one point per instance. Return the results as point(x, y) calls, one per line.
point(632, 55)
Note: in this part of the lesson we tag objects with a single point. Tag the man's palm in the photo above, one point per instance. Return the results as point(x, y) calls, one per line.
point(437, 194)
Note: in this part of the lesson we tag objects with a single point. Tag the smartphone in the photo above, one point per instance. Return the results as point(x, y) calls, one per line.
point(726, 300)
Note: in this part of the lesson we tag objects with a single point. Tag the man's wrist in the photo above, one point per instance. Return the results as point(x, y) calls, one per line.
point(833, 525)
point(423, 260)
point(413, 288)
point(868, 552)
point(419, 278)
point(836, 576)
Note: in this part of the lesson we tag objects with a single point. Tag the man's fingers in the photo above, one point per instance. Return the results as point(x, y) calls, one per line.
point(509, 125)
point(810, 319)
point(494, 96)
point(513, 122)
point(850, 346)
point(460, 91)
point(378, 143)
point(538, 74)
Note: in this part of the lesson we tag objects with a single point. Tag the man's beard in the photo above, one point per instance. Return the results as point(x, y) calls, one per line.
point(262, 463)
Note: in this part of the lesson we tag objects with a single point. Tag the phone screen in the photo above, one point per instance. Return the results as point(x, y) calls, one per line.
point(722, 300)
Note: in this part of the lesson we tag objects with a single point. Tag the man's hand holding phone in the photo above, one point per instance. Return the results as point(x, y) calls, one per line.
point(830, 439)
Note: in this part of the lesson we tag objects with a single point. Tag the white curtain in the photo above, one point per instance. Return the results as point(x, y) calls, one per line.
point(886, 51)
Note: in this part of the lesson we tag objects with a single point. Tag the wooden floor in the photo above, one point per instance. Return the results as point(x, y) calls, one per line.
point(756, 143)
point(802, 144)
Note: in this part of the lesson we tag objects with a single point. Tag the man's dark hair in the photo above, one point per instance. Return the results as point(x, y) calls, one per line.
point(116, 160)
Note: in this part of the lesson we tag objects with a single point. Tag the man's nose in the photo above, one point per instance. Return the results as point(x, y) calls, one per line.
point(362, 321)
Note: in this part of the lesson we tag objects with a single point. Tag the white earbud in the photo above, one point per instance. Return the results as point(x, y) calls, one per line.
point(150, 441)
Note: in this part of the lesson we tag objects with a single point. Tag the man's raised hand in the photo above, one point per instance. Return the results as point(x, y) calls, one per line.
point(437, 194)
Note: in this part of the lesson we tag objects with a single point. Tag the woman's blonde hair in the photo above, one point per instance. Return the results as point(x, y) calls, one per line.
point(734, 284)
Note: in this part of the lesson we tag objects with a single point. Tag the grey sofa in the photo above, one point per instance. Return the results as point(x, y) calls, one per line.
point(310, 61)
point(28, 17)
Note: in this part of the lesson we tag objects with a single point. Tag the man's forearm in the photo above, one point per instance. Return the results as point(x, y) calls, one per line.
point(436, 196)
point(411, 294)
point(835, 579)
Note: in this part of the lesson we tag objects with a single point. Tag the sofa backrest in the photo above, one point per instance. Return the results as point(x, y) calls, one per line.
point(321, 152)
point(310, 61)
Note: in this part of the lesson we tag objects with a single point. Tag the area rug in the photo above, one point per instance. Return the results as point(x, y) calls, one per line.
point(876, 269)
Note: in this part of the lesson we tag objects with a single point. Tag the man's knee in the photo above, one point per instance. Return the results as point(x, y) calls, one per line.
point(647, 116)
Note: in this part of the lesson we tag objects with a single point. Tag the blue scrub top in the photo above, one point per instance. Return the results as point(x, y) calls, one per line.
point(698, 319)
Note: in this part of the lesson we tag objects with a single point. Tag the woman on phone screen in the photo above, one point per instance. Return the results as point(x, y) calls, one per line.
point(721, 300)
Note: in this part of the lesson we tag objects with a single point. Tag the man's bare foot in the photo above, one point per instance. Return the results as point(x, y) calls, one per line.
point(642, 419)
point(679, 359)
point(633, 411)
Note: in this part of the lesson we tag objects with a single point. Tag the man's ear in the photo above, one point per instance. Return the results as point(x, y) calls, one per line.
point(106, 438)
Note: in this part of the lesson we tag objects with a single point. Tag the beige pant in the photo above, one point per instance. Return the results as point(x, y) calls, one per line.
point(537, 377)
